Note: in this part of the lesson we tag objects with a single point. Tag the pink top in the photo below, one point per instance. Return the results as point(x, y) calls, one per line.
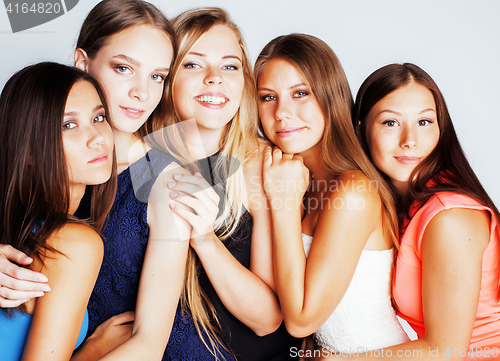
point(407, 280)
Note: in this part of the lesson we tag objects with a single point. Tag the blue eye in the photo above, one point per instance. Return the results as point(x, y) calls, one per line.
point(230, 67)
point(191, 66)
point(158, 78)
point(99, 118)
point(122, 69)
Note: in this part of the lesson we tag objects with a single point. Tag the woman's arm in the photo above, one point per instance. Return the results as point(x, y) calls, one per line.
point(244, 293)
point(162, 277)
point(58, 316)
point(17, 284)
point(341, 233)
point(452, 252)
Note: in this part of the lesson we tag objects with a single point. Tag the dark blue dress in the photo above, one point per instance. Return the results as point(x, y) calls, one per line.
point(125, 238)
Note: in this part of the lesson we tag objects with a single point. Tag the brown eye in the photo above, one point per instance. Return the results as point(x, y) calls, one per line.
point(69, 125)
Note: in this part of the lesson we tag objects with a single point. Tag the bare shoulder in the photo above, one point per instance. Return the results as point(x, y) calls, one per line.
point(80, 248)
point(460, 226)
point(356, 189)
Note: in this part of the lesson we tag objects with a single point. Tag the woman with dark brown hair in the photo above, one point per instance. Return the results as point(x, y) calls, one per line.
point(56, 141)
point(333, 222)
point(446, 281)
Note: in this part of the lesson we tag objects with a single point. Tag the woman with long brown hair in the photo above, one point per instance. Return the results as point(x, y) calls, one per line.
point(446, 281)
point(334, 225)
point(56, 141)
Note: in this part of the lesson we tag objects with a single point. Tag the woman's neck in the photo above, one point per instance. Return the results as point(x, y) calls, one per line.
point(75, 196)
point(313, 162)
point(129, 149)
point(205, 142)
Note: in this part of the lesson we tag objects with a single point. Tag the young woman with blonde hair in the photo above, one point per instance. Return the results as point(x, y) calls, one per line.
point(212, 83)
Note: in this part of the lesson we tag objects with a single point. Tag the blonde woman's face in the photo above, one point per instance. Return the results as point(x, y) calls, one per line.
point(290, 114)
point(208, 86)
point(131, 68)
point(402, 130)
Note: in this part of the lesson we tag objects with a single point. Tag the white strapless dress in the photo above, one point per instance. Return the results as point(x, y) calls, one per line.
point(364, 319)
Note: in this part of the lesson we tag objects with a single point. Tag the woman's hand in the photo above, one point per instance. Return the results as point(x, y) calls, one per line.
point(194, 200)
point(286, 178)
point(17, 284)
point(108, 335)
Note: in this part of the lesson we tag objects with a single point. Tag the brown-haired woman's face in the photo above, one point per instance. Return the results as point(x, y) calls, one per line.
point(131, 68)
point(208, 86)
point(402, 130)
point(87, 137)
point(289, 112)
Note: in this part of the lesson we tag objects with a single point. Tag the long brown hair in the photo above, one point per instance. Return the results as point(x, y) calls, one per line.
point(34, 184)
point(340, 150)
point(446, 167)
point(108, 18)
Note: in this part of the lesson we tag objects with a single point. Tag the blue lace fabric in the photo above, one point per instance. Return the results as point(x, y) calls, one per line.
point(125, 239)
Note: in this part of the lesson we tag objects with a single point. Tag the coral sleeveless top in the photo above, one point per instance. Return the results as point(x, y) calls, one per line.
point(407, 281)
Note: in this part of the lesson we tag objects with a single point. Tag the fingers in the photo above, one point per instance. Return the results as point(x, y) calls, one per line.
point(6, 303)
point(268, 157)
point(288, 156)
point(206, 210)
point(185, 214)
point(122, 318)
point(18, 273)
point(8, 294)
point(195, 186)
point(14, 255)
point(277, 155)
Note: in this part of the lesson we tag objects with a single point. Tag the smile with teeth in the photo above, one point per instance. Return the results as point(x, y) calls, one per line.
point(211, 99)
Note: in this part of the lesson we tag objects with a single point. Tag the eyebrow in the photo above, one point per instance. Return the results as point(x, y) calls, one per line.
point(224, 57)
point(135, 62)
point(96, 108)
point(398, 113)
point(290, 88)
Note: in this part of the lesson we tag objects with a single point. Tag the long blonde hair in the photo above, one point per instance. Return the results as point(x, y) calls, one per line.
point(238, 143)
point(340, 150)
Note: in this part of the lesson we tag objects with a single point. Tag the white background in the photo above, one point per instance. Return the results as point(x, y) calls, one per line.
point(456, 41)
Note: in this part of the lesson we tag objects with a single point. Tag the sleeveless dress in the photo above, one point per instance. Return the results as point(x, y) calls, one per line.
point(408, 276)
point(244, 343)
point(14, 334)
point(125, 239)
point(364, 319)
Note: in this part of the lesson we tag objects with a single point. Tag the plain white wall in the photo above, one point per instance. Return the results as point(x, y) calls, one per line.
point(455, 41)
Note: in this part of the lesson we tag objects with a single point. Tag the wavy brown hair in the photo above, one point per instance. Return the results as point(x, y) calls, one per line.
point(34, 183)
point(446, 168)
point(108, 18)
point(340, 150)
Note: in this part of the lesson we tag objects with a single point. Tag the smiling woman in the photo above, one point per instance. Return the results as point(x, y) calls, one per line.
point(447, 271)
point(398, 122)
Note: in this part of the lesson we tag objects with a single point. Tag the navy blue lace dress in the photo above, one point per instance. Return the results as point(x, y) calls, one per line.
point(126, 235)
